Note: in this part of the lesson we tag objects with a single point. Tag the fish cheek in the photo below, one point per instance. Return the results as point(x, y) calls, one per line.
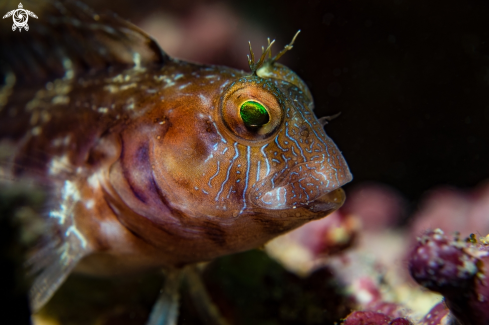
point(182, 156)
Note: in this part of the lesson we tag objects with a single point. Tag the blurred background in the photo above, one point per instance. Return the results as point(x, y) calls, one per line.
point(410, 78)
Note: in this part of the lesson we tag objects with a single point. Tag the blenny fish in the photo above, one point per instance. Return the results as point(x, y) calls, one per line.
point(149, 161)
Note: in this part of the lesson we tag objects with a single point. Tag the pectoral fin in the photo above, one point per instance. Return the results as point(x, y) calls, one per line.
point(61, 247)
point(53, 264)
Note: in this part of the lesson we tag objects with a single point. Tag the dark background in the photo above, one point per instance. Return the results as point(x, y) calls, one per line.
point(411, 79)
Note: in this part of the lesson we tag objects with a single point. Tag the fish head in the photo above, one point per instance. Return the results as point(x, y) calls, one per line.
point(295, 164)
point(249, 144)
point(224, 155)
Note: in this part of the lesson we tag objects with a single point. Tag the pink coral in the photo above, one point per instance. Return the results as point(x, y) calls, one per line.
point(329, 235)
point(454, 211)
point(456, 269)
point(373, 318)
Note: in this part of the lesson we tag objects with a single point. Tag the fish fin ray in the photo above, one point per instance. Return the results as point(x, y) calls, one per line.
point(47, 282)
point(51, 264)
point(60, 247)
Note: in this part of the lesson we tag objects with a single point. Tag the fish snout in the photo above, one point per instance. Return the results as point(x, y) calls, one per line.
point(303, 184)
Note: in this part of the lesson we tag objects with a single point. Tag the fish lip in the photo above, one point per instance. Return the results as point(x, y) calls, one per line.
point(268, 186)
point(328, 202)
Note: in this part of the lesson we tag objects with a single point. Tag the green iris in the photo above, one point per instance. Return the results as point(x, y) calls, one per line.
point(254, 114)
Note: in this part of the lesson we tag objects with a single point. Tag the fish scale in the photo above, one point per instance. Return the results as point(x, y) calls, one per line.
point(148, 162)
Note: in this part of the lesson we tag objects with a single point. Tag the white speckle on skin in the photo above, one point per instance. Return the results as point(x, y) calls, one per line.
point(74, 231)
point(162, 78)
point(59, 164)
point(225, 83)
point(69, 196)
point(56, 93)
point(111, 229)
point(116, 88)
point(112, 88)
point(60, 100)
point(70, 191)
point(89, 204)
point(129, 86)
point(118, 79)
point(93, 181)
point(136, 57)
point(205, 100)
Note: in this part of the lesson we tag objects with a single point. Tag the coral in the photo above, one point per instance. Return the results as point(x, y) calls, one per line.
point(328, 236)
point(438, 315)
point(373, 318)
point(457, 269)
point(442, 265)
point(454, 210)
point(300, 249)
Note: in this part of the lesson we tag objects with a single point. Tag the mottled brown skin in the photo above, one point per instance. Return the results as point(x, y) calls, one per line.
point(150, 164)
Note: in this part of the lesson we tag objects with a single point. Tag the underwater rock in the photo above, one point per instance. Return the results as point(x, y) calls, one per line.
point(373, 318)
point(442, 265)
point(456, 269)
point(438, 315)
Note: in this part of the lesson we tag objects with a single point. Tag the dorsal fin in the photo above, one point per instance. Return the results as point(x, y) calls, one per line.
point(69, 36)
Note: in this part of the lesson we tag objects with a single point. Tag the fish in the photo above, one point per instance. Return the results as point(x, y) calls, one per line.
point(150, 162)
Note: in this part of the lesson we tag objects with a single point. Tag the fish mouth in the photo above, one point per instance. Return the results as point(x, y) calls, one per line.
point(314, 185)
point(328, 202)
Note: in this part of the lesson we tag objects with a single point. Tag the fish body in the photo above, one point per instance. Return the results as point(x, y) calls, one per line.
point(152, 162)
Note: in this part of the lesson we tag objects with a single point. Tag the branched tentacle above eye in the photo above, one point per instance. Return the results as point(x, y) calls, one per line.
point(251, 61)
point(263, 59)
point(287, 47)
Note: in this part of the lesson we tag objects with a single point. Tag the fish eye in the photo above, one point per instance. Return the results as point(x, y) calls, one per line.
point(251, 109)
point(254, 114)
